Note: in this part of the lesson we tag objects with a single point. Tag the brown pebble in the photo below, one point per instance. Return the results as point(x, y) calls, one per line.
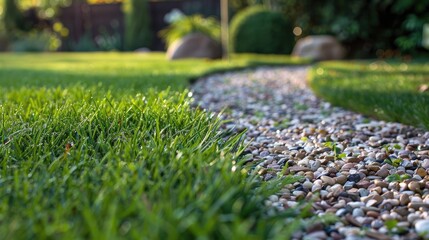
point(327, 180)
point(421, 172)
point(382, 173)
point(380, 183)
point(347, 166)
point(414, 186)
point(404, 199)
point(353, 160)
point(373, 214)
point(363, 184)
point(309, 175)
point(373, 168)
point(377, 190)
point(387, 195)
point(378, 199)
point(341, 179)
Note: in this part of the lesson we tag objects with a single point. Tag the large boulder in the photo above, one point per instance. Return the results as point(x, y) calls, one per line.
point(323, 47)
point(194, 45)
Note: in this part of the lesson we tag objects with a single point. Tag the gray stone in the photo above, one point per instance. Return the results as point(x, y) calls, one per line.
point(319, 48)
point(357, 212)
point(422, 228)
point(348, 185)
point(194, 45)
point(377, 224)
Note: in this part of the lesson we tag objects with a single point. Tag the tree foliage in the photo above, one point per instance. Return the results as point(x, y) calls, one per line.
point(12, 17)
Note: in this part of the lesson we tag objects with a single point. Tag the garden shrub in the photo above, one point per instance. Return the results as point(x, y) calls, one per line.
point(259, 30)
point(35, 41)
point(190, 24)
point(137, 28)
point(367, 28)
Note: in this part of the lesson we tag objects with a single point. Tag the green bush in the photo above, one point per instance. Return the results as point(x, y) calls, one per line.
point(364, 27)
point(367, 28)
point(137, 29)
point(190, 24)
point(258, 30)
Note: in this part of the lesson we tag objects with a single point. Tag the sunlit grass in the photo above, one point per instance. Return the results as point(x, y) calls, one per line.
point(390, 91)
point(93, 146)
point(118, 71)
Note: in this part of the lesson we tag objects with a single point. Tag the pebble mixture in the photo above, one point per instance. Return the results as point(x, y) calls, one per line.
point(373, 175)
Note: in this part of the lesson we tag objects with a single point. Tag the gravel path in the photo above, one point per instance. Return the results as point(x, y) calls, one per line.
point(366, 172)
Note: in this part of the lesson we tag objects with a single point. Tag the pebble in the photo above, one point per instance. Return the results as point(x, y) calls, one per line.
point(363, 192)
point(354, 178)
point(382, 173)
point(414, 186)
point(354, 187)
point(356, 204)
point(357, 212)
point(417, 205)
point(380, 183)
point(316, 235)
point(377, 224)
point(412, 217)
point(422, 228)
point(415, 199)
point(327, 180)
point(348, 185)
point(388, 195)
point(363, 184)
point(404, 199)
point(373, 214)
point(341, 179)
point(421, 172)
point(307, 185)
point(425, 163)
point(316, 188)
point(341, 212)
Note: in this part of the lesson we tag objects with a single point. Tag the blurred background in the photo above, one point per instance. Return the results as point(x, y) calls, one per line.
point(366, 28)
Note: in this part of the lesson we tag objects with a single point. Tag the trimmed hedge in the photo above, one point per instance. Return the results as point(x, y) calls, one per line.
point(258, 30)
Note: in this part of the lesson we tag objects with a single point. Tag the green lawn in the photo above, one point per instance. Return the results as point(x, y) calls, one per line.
point(388, 91)
point(95, 146)
point(122, 73)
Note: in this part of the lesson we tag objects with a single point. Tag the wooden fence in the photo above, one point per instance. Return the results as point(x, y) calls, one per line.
point(89, 21)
